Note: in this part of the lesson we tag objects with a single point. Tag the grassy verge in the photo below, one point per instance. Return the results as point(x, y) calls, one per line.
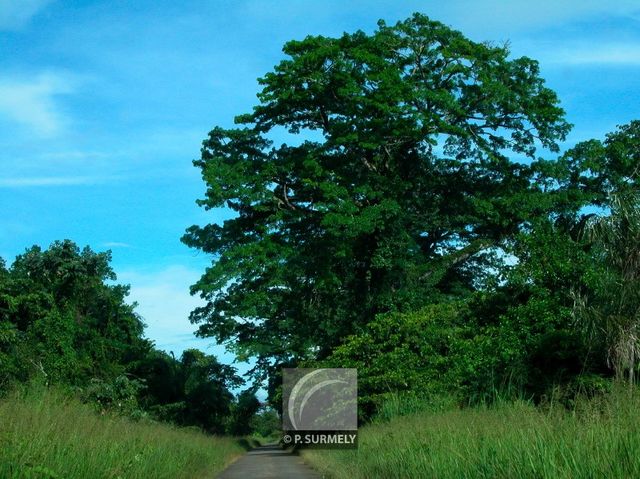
point(48, 435)
point(600, 439)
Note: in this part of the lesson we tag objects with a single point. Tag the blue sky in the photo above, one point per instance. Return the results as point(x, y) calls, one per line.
point(103, 105)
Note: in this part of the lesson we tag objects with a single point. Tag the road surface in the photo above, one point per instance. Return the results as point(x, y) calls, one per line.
point(269, 462)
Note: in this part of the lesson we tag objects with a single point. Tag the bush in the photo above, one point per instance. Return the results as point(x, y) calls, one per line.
point(405, 352)
point(119, 395)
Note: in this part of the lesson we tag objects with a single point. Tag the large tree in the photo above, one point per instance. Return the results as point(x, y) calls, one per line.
point(379, 172)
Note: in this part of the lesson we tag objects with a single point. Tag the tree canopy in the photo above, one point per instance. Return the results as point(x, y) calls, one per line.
point(379, 172)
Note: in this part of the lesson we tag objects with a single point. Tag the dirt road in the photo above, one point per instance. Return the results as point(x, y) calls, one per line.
point(269, 462)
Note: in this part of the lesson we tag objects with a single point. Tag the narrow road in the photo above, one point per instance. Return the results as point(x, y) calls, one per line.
point(269, 462)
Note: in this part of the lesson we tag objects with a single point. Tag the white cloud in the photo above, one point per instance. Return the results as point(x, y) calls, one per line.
point(48, 181)
point(31, 102)
point(15, 13)
point(164, 303)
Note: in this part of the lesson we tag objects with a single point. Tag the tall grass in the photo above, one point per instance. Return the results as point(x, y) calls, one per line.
point(601, 438)
point(46, 434)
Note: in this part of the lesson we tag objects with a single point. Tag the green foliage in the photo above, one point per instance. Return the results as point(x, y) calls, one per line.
point(410, 403)
point(394, 188)
point(405, 226)
point(604, 168)
point(120, 395)
point(416, 352)
point(62, 322)
point(192, 391)
point(516, 339)
point(609, 306)
point(266, 423)
point(243, 410)
point(206, 390)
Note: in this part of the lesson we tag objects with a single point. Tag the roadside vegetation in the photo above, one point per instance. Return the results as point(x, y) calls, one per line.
point(599, 437)
point(84, 394)
point(45, 433)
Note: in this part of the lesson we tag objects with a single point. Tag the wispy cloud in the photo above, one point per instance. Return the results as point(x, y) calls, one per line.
point(15, 13)
point(164, 303)
point(502, 19)
point(74, 156)
point(602, 54)
point(515, 15)
point(48, 181)
point(116, 244)
point(31, 102)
